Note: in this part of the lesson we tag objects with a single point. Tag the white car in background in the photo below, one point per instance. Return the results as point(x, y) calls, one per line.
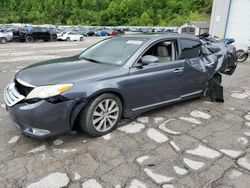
point(70, 36)
point(5, 37)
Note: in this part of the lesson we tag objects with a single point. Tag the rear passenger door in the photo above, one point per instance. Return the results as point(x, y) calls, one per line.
point(35, 33)
point(45, 35)
point(195, 75)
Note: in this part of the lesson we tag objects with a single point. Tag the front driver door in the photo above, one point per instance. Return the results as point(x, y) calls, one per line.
point(155, 84)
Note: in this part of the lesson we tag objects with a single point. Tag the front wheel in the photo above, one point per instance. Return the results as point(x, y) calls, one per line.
point(3, 40)
point(29, 39)
point(241, 55)
point(81, 39)
point(67, 39)
point(101, 115)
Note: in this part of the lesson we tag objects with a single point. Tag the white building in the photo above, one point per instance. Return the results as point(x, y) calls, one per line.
point(194, 28)
point(231, 19)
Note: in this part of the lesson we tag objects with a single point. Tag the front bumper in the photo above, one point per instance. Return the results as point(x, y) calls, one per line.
point(42, 119)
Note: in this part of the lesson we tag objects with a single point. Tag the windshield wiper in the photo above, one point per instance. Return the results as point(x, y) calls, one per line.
point(90, 59)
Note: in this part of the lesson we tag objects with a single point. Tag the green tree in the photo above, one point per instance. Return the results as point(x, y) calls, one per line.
point(105, 12)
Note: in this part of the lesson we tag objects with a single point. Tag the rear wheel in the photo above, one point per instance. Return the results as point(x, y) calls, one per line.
point(241, 55)
point(3, 40)
point(81, 39)
point(67, 39)
point(53, 38)
point(29, 38)
point(101, 115)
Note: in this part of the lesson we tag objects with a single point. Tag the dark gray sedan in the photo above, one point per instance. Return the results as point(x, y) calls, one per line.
point(119, 77)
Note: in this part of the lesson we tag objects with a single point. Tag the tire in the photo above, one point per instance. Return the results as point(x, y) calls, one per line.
point(53, 38)
point(67, 39)
point(95, 121)
point(3, 40)
point(29, 39)
point(241, 55)
point(81, 39)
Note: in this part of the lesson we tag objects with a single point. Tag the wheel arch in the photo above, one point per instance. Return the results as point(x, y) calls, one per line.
point(79, 107)
point(112, 91)
point(29, 34)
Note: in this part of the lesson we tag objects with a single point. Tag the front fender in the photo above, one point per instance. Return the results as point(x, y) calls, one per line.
point(84, 97)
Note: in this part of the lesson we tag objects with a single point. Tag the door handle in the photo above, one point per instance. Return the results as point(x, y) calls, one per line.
point(178, 70)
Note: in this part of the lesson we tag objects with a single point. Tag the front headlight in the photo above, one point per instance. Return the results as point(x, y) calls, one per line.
point(43, 92)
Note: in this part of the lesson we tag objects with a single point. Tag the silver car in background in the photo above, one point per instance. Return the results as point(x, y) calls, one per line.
point(5, 37)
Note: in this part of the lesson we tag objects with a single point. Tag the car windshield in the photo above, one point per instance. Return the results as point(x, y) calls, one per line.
point(114, 51)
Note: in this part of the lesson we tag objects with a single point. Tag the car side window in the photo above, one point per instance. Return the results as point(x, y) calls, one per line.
point(35, 29)
point(44, 30)
point(190, 49)
point(165, 51)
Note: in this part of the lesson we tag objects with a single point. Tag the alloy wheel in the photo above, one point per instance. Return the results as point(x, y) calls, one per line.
point(105, 115)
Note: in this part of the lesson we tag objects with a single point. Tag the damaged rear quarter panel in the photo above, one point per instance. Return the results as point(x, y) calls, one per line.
point(226, 58)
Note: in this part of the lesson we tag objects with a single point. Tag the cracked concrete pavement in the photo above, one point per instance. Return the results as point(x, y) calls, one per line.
point(195, 143)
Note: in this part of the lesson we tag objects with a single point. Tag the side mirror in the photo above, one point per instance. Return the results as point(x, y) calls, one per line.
point(148, 59)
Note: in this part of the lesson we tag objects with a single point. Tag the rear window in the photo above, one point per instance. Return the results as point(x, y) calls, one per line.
point(190, 49)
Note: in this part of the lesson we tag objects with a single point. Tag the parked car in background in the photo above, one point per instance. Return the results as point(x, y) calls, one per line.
point(102, 33)
point(81, 32)
point(120, 31)
point(36, 33)
point(90, 33)
point(119, 77)
point(243, 55)
point(113, 33)
point(15, 30)
point(5, 37)
point(71, 36)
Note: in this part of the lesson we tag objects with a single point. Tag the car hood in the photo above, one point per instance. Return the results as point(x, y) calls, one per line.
point(63, 70)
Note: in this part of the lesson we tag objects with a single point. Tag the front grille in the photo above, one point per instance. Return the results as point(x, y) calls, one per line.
point(11, 95)
point(22, 89)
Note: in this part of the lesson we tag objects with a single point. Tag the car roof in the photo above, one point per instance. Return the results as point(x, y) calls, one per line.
point(160, 36)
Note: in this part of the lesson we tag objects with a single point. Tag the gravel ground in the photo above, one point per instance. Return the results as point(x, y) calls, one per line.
point(190, 144)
